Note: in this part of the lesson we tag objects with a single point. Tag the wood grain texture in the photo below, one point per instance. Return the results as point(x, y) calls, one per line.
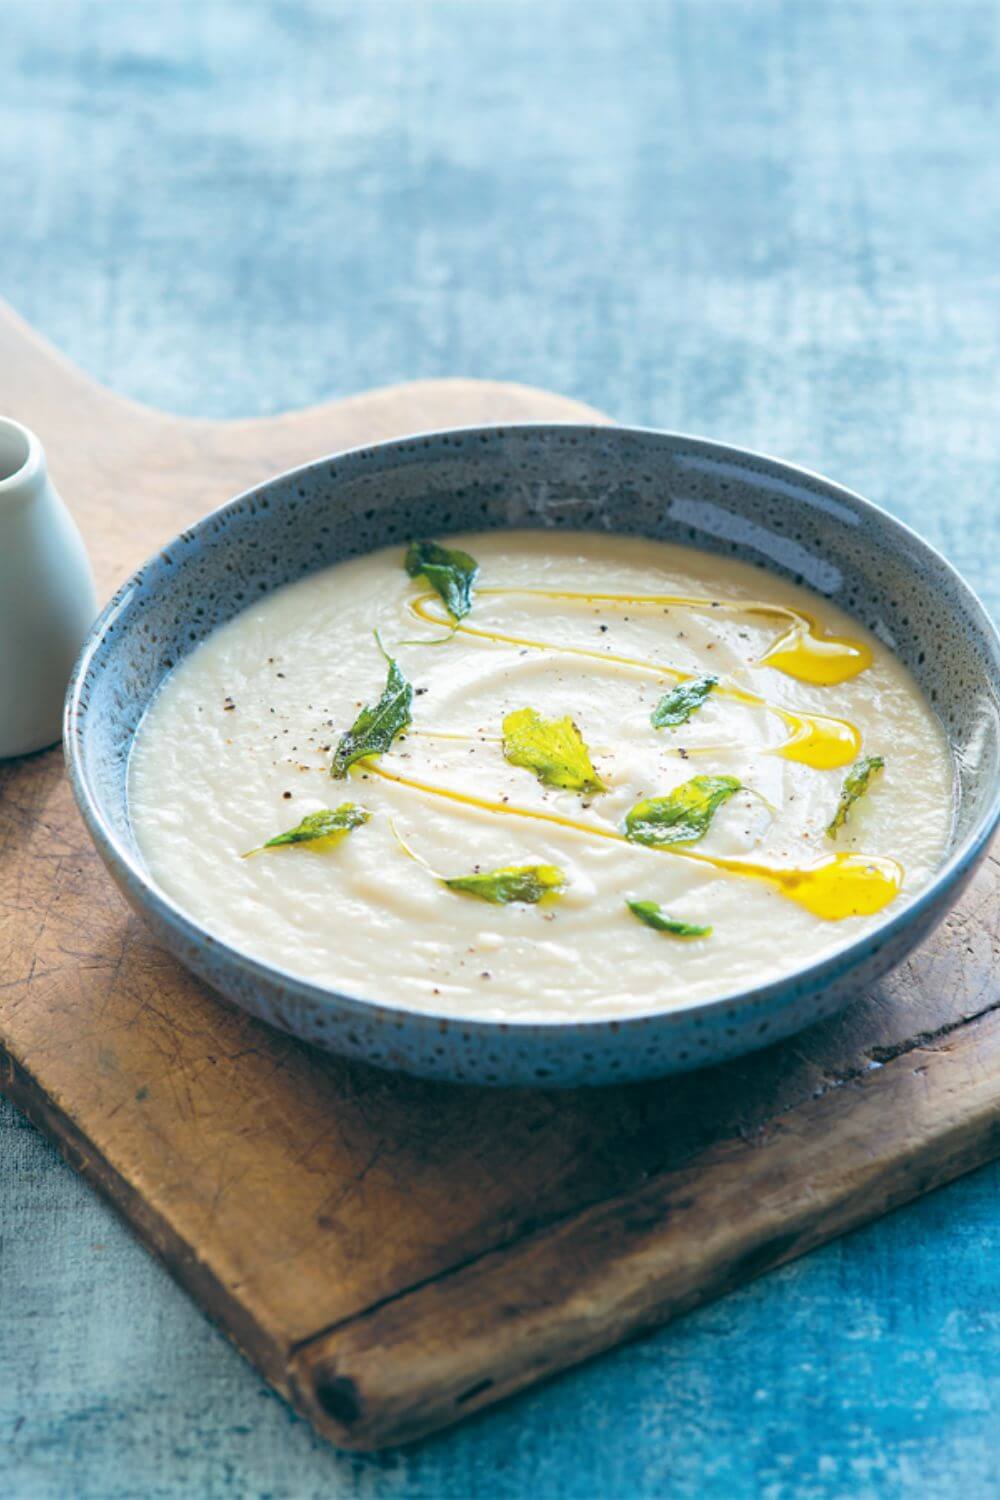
point(393, 1254)
point(739, 1207)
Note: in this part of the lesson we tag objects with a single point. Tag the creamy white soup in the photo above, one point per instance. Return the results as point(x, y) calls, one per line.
point(589, 776)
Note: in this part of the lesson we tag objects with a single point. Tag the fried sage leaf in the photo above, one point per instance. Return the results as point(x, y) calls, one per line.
point(450, 571)
point(553, 748)
point(856, 783)
point(684, 815)
point(322, 829)
point(529, 883)
point(677, 706)
point(654, 916)
point(377, 725)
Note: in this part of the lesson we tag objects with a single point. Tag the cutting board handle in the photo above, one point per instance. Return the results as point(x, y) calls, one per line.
point(134, 476)
point(35, 380)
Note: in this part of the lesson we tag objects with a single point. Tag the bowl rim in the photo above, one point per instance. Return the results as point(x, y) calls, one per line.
point(789, 986)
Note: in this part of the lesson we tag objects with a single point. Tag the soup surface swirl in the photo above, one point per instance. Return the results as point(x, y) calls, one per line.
point(237, 748)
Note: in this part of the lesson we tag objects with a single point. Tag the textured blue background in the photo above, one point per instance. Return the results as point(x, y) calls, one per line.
point(777, 224)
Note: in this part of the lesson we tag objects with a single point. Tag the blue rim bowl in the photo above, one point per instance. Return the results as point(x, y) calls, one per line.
point(633, 481)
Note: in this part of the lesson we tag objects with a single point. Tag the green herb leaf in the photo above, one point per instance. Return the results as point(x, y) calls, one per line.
point(452, 572)
point(855, 785)
point(654, 916)
point(325, 828)
point(528, 883)
point(552, 748)
point(375, 728)
point(677, 706)
point(684, 815)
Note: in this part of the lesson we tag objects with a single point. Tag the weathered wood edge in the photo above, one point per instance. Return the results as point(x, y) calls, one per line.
point(104, 431)
point(479, 1333)
point(151, 1228)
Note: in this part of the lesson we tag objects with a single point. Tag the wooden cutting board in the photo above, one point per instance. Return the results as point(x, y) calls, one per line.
point(392, 1254)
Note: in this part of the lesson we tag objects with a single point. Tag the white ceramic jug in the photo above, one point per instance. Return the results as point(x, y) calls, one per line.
point(47, 599)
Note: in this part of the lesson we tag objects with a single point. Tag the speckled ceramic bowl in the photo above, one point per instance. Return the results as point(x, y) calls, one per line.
point(602, 479)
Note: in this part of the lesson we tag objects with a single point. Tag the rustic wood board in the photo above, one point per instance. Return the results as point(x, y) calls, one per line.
point(394, 1254)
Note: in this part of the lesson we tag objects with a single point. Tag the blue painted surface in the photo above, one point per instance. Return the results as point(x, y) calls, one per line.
point(772, 223)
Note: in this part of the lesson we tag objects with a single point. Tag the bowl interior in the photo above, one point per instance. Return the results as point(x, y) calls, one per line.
point(594, 479)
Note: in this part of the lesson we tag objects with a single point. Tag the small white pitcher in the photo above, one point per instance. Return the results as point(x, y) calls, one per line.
point(47, 599)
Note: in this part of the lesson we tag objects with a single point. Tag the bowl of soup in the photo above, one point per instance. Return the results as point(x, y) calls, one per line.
point(541, 754)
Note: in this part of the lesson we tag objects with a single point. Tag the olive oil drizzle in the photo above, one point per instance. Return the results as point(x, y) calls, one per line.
point(475, 737)
point(814, 740)
point(805, 651)
point(834, 886)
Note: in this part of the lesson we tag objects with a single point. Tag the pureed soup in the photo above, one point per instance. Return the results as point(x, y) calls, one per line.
point(518, 775)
